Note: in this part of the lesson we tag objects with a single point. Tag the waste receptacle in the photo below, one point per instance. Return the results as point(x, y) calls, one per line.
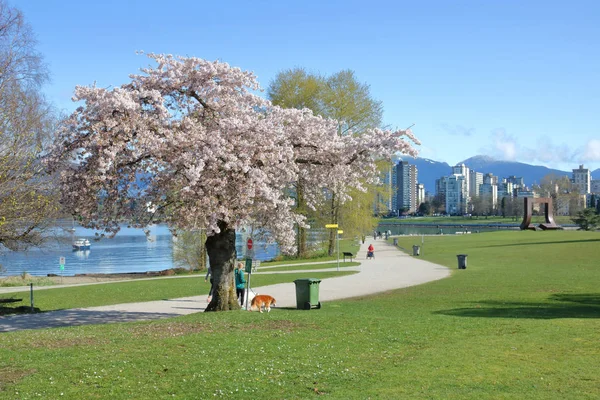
point(462, 261)
point(416, 250)
point(395, 241)
point(307, 293)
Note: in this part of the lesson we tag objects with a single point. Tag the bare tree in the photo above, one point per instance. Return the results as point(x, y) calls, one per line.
point(189, 250)
point(28, 203)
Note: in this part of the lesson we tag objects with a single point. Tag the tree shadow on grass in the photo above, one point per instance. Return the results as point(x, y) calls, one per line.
point(584, 305)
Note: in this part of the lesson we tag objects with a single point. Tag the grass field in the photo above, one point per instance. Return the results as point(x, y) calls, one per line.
point(142, 290)
point(521, 322)
point(309, 266)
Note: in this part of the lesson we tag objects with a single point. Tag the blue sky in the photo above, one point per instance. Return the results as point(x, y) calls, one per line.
point(515, 80)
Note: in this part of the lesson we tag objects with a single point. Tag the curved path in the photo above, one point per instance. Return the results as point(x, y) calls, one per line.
point(390, 269)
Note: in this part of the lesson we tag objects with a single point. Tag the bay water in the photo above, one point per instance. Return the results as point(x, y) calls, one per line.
point(129, 251)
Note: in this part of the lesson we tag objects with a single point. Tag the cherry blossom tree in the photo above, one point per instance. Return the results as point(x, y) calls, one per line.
point(189, 144)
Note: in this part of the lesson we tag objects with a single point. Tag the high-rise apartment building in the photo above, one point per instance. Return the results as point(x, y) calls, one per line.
point(582, 180)
point(385, 201)
point(420, 194)
point(457, 194)
point(517, 182)
point(475, 181)
point(440, 188)
point(406, 178)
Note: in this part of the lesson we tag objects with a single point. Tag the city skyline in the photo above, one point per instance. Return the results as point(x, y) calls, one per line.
point(512, 80)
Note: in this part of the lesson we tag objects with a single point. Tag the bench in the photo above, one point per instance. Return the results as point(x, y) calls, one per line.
point(348, 254)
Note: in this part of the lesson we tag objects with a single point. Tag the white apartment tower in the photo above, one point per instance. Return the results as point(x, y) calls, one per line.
point(406, 175)
point(420, 194)
point(582, 180)
point(457, 194)
point(489, 189)
point(475, 182)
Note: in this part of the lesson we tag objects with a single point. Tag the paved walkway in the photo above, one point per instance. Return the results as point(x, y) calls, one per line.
point(390, 269)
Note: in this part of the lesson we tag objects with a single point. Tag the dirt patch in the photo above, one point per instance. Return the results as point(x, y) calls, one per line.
point(166, 330)
point(63, 343)
point(11, 376)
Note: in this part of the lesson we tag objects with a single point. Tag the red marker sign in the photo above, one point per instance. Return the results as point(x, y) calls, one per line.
point(249, 244)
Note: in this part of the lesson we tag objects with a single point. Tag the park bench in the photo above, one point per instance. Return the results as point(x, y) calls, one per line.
point(348, 254)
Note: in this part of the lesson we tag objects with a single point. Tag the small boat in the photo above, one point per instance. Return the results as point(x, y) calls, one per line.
point(81, 244)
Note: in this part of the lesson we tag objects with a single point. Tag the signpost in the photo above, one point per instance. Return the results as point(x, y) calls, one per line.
point(335, 226)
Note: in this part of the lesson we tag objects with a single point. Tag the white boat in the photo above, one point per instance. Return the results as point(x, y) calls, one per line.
point(81, 244)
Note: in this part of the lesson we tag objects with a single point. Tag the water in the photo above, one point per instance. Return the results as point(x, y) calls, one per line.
point(129, 251)
point(446, 229)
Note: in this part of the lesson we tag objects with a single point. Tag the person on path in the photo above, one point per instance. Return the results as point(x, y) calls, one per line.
point(240, 283)
point(371, 251)
point(209, 275)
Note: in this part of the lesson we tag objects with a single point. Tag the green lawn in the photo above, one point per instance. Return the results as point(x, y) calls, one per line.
point(309, 266)
point(142, 290)
point(521, 322)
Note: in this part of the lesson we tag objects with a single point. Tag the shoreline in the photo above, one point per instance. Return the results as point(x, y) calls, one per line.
point(15, 280)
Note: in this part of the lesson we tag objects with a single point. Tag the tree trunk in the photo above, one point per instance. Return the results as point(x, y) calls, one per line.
point(222, 254)
point(301, 209)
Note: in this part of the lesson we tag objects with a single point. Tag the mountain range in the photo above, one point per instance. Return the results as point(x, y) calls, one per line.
point(430, 170)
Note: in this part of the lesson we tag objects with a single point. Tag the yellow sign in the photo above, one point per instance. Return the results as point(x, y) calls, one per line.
point(331, 226)
point(340, 231)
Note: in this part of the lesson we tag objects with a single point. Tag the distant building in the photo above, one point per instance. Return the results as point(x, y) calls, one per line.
point(582, 180)
point(489, 191)
point(517, 182)
point(406, 178)
point(505, 188)
point(475, 181)
point(595, 186)
point(462, 169)
point(420, 194)
point(440, 188)
point(386, 199)
point(490, 179)
point(457, 194)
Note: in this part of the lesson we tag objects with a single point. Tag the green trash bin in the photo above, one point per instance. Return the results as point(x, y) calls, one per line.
point(307, 293)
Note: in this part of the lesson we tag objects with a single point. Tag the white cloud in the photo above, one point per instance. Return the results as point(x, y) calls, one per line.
point(504, 146)
point(591, 152)
point(507, 147)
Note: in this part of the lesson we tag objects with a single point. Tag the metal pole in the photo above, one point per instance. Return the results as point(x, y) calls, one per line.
point(31, 295)
point(248, 289)
point(338, 252)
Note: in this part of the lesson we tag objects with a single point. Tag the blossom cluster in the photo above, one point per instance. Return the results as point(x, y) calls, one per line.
point(190, 138)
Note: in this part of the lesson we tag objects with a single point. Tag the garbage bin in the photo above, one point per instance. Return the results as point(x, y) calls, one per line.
point(395, 241)
point(462, 261)
point(307, 293)
point(416, 250)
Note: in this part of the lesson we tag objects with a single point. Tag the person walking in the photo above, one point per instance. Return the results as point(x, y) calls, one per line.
point(240, 283)
point(371, 251)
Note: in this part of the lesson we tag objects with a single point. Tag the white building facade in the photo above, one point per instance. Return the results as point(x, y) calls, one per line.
point(582, 180)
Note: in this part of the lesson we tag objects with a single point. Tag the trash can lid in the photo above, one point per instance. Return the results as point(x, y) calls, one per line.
point(461, 255)
point(308, 280)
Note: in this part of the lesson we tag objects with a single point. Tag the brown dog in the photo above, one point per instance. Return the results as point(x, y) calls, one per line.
point(261, 301)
